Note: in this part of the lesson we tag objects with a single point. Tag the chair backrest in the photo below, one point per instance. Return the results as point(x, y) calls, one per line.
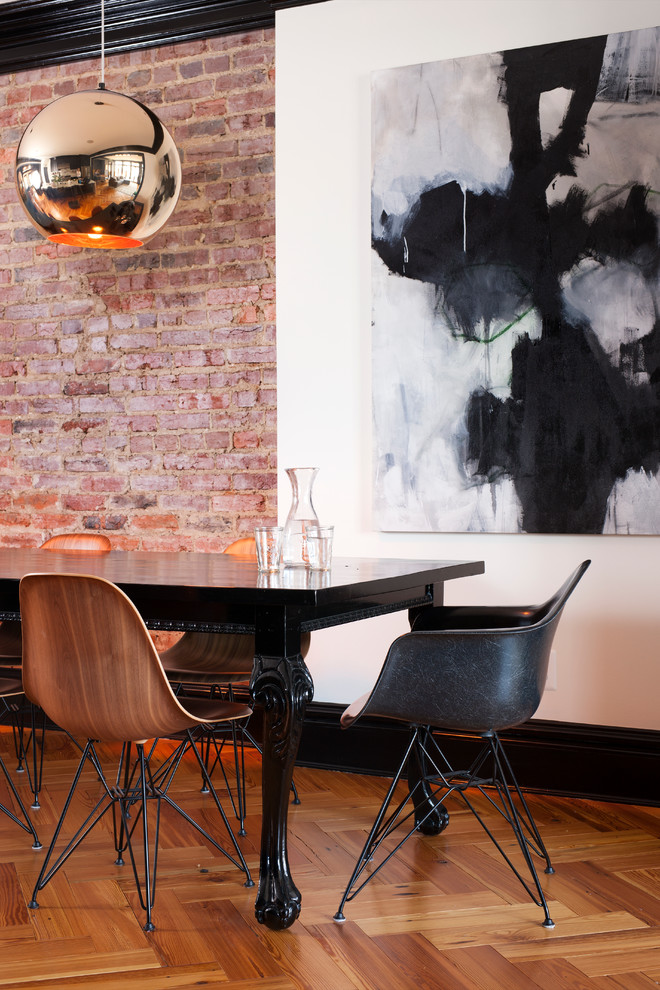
point(89, 542)
point(211, 653)
point(89, 662)
point(472, 679)
point(245, 547)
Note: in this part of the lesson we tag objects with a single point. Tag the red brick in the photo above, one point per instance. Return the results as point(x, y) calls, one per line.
point(263, 96)
point(83, 503)
point(252, 355)
point(39, 501)
point(104, 484)
point(86, 465)
point(86, 388)
point(248, 481)
point(208, 482)
point(164, 523)
point(238, 503)
point(188, 462)
point(250, 438)
point(152, 483)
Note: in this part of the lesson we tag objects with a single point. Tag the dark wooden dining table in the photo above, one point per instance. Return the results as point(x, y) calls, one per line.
point(217, 592)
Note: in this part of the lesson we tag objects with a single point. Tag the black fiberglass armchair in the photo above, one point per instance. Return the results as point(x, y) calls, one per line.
point(470, 670)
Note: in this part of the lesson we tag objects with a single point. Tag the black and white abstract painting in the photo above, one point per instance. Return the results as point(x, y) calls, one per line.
point(516, 262)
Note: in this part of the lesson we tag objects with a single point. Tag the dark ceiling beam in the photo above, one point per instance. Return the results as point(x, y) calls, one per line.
point(34, 33)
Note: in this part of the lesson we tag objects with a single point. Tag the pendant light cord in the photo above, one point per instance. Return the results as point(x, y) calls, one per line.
point(102, 83)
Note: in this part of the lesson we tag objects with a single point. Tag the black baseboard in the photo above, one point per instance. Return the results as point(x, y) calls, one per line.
point(603, 763)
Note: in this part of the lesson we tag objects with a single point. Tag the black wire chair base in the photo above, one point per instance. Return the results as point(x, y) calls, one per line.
point(135, 786)
point(26, 823)
point(215, 740)
point(9, 710)
point(491, 775)
point(29, 727)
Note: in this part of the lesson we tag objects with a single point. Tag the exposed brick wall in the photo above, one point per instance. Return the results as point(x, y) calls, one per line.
point(137, 388)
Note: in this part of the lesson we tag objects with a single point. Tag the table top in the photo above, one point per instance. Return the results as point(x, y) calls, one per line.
point(237, 577)
point(179, 590)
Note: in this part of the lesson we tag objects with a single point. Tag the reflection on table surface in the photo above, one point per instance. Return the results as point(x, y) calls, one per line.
point(294, 577)
point(223, 571)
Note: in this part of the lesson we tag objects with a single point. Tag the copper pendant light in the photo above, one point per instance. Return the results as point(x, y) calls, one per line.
point(98, 169)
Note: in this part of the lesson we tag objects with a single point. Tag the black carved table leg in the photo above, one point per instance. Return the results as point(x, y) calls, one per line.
point(283, 687)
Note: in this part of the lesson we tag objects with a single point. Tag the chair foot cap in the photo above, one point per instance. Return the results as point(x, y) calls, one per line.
point(548, 923)
point(35, 806)
point(150, 927)
point(33, 904)
point(242, 831)
point(119, 861)
point(37, 845)
point(20, 769)
point(249, 882)
point(339, 918)
point(549, 869)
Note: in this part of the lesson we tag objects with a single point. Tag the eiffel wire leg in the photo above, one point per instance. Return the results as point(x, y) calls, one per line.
point(378, 830)
point(26, 825)
point(441, 780)
point(92, 819)
point(135, 786)
point(517, 823)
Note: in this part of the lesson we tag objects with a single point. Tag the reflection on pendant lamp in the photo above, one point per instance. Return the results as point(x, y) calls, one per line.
point(97, 169)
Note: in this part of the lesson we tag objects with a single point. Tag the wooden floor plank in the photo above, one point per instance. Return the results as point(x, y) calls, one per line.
point(614, 891)
point(484, 967)
point(302, 957)
point(518, 922)
point(362, 960)
point(415, 957)
point(556, 974)
point(76, 958)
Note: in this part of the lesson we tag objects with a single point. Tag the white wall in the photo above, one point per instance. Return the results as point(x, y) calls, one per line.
point(608, 644)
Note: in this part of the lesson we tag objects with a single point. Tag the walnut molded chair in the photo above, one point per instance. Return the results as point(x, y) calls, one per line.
point(223, 662)
point(470, 670)
point(90, 664)
point(78, 542)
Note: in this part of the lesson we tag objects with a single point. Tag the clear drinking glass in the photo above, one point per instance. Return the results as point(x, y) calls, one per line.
point(319, 547)
point(269, 547)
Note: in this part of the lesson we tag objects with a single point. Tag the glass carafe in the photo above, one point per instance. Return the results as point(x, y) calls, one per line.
point(301, 516)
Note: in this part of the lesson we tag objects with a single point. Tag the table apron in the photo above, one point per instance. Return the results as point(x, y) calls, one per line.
point(185, 615)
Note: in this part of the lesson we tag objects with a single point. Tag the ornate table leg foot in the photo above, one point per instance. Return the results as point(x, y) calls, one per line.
point(283, 688)
point(434, 818)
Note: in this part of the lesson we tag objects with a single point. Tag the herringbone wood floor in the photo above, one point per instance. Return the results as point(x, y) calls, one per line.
point(445, 915)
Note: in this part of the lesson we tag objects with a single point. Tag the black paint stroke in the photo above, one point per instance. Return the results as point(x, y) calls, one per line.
point(574, 424)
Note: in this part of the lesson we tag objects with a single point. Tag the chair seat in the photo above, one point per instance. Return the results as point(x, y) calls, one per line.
point(183, 676)
point(10, 686)
point(211, 710)
point(354, 710)
point(11, 643)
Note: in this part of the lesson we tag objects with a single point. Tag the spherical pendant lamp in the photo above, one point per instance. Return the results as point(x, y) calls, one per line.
point(97, 169)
